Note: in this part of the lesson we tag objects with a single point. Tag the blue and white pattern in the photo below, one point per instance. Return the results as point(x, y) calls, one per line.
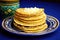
point(52, 22)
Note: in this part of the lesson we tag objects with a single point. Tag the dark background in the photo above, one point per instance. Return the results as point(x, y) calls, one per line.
point(52, 7)
point(43, 0)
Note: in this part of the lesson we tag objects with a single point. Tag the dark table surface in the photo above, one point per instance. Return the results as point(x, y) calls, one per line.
point(51, 8)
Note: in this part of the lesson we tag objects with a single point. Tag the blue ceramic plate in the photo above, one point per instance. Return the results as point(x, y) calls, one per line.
point(52, 22)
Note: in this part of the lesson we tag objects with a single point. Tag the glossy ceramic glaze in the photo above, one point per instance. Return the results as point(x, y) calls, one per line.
point(52, 22)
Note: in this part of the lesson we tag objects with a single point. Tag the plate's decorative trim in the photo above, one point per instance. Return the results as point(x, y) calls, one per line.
point(53, 25)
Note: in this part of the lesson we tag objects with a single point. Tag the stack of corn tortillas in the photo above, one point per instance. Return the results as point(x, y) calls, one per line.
point(30, 20)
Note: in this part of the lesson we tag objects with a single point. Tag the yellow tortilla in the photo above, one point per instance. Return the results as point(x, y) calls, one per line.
point(31, 18)
point(20, 11)
point(30, 28)
point(26, 24)
point(39, 28)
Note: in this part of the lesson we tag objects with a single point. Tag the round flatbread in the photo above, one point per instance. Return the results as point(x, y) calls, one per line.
point(31, 18)
point(34, 31)
point(28, 16)
point(32, 21)
point(30, 28)
point(26, 24)
point(21, 12)
point(39, 29)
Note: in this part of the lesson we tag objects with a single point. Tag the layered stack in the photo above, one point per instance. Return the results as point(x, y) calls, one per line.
point(30, 20)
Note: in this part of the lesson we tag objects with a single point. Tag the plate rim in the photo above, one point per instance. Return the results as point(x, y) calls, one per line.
point(30, 34)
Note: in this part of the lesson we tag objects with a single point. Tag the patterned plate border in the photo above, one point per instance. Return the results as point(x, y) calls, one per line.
point(54, 23)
